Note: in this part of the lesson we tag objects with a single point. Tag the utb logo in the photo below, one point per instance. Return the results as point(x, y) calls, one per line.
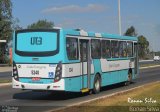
point(36, 40)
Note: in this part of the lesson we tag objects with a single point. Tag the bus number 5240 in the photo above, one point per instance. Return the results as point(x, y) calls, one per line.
point(35, 72)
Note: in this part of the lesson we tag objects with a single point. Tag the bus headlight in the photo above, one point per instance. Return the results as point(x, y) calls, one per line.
point(15, 72)
point(58, 74)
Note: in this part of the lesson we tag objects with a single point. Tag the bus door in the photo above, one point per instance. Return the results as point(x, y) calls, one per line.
point(85, 64)
point(136, 58)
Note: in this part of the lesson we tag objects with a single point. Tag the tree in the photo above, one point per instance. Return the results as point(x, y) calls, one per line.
point(143, 46)
point(5, 19)
point(142, 41)
point(15, 25)
point(41, 24)
point(131, 31)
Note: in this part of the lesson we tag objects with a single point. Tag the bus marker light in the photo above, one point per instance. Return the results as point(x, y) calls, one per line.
point(14, 67)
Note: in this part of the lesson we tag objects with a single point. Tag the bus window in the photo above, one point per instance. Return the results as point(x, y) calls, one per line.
point(106, 52)
point(72, 48)
point(83, 51)
point(115, 49)
point(130, 49)
point(123, 49)
point(95, 48)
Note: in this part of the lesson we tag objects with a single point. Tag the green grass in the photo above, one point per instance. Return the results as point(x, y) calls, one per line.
point(5, 80)
point(119, 102)
point(146, 65)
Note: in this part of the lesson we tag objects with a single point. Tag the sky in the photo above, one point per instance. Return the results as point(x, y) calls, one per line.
point(94, 15)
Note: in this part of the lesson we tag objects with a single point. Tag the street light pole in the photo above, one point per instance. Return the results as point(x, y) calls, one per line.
point(119, 17)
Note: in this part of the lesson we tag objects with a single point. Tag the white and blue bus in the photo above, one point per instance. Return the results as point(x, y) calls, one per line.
point(72, 60)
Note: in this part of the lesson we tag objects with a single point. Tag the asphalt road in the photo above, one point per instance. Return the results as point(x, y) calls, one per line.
point(5, 75)
point(42, 101)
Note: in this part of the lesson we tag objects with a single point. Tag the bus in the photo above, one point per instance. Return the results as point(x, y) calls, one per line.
point(72, 60)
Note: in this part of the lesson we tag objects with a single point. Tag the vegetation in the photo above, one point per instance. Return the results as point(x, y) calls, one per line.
point(5, 19)
point(41, 24)
point(157, 53)
point(142, 41)
point(150, 65)
point(7, 22)
point(131, 31)
point(143, 46)
point(121, 103)
point(5, 81)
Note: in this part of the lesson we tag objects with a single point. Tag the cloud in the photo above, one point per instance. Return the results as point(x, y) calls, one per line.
point(75, 9)
point(67, 23)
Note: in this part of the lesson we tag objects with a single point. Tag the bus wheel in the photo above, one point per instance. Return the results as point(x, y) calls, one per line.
point(97, 84)
point(129, 81)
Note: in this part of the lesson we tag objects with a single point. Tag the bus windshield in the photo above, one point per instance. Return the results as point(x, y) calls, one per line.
point(36, 43)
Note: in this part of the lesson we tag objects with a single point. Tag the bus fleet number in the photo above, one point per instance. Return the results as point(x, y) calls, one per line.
point(35, 72)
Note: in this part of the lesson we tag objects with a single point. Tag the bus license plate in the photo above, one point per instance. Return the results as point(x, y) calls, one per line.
point(35, 78)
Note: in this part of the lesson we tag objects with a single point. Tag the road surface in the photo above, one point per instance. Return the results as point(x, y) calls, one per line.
point(42, 101)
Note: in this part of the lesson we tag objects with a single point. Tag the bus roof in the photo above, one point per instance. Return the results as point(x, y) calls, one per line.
point(76, 32)
point(80, 32)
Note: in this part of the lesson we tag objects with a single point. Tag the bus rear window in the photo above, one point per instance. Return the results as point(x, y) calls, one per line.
point(37, 43)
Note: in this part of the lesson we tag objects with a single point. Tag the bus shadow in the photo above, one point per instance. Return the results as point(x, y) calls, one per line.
point(32, 95)
point(55, 96)
point(116, 86)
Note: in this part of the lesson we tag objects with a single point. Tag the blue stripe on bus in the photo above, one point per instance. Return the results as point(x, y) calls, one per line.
point(91, 34)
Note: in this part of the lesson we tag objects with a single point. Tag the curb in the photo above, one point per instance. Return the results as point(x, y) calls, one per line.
point(102, 97)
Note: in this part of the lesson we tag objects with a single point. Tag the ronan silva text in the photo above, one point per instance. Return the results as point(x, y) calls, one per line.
point(145, 100)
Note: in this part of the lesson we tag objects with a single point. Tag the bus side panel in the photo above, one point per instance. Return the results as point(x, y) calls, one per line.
point(73, 84)
point(97, 67)
point(114, 77)
point(74, 80)
point(92, 81)
point(115, 71)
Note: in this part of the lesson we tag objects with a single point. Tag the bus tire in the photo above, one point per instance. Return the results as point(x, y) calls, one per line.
point(97, 84)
